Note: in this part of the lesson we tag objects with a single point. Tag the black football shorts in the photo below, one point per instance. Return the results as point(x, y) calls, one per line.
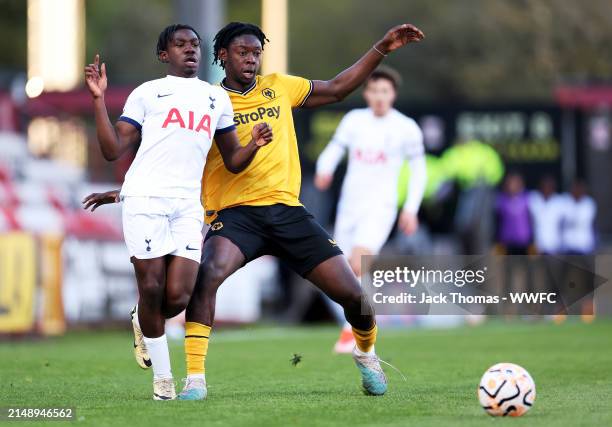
point(288, 232)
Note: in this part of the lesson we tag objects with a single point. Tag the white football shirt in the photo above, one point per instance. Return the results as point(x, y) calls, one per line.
point(547, 215)
point(377, 148)
point(578, 224)
point(178, 118)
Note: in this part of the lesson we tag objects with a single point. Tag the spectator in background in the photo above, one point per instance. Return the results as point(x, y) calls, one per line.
point(546, 207)
point(577, 231)
point(476, 168)
point(514, 231)
point(514, 234)
point(578, 241)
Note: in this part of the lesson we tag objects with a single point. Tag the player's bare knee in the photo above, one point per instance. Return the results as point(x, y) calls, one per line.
point(214, 273)
point(150, 289)
point(176, 301)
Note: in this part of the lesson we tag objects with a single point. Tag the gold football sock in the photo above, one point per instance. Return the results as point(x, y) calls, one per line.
point(365, 339)
point(196, 347)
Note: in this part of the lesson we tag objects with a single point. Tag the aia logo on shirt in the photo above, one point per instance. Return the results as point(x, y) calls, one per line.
point(370, 157)
point(175, 117)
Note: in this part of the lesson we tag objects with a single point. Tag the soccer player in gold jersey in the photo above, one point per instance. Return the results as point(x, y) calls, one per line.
point(258, 211)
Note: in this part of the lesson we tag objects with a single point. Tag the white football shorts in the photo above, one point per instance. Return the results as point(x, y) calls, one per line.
point(157, 226)
point(358, 228)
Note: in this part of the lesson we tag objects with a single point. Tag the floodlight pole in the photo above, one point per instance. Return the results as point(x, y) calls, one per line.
point(274, 16)
point(207, 17)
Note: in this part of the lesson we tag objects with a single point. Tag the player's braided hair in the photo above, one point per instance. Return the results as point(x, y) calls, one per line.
point(232, 30)
point(167, 33)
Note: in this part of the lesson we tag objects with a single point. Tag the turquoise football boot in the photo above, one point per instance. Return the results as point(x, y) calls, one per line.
point(373, 379)
point(195, 389)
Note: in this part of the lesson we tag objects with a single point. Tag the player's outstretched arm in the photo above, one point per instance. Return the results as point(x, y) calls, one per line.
point(333, 153)
point(335, 90)
point(326, 165)
point(236, 157)
point(114, 141)
point(95, 200)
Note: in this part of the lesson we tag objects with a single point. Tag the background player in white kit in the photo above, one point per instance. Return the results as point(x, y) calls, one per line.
point(174, 119)
point(378, 139)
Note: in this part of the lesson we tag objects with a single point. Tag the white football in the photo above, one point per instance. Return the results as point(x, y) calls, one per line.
point(506, 389)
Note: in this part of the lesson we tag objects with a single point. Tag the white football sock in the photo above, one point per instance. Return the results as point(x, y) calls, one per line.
point(160, 356)
point(196, 377)
point(364, 353)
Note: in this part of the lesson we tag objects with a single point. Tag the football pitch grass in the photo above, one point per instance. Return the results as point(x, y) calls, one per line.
point(252, 381)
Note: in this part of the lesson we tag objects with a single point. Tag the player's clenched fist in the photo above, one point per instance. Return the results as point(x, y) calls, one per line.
point(262, 134)
point(399, 36)
point(95, 77)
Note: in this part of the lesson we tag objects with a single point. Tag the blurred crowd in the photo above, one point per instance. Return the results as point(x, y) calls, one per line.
point(544, 221)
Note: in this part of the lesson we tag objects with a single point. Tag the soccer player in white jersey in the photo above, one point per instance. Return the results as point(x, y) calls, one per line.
point(378, 140)
point(174, 120)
